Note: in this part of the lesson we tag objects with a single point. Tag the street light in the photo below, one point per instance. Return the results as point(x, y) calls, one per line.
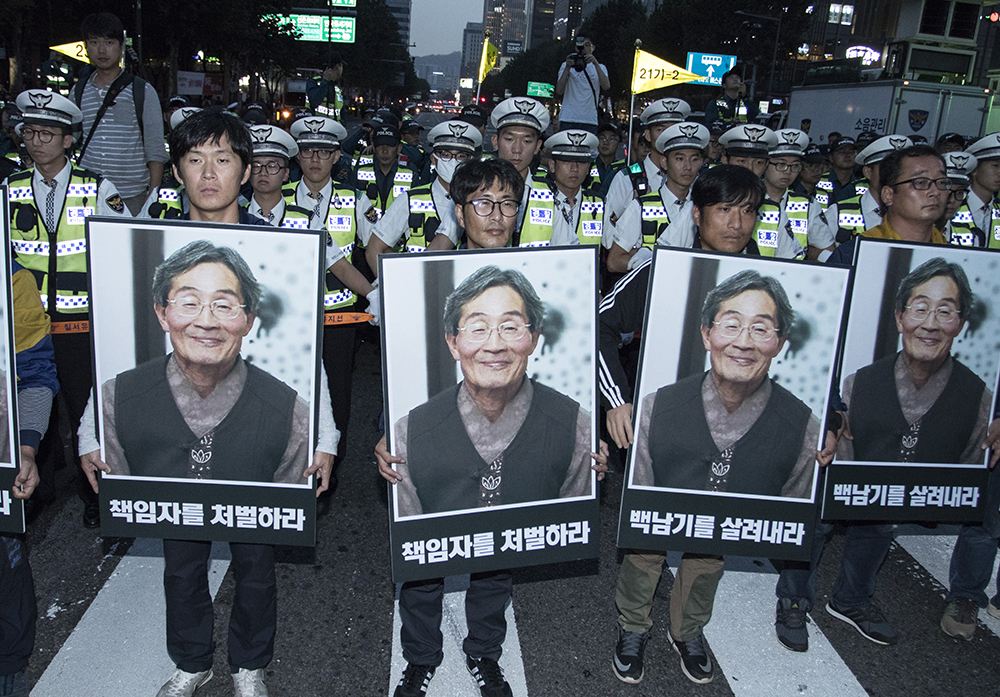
point(774, 56)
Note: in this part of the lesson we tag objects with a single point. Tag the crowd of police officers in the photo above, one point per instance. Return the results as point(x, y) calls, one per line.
point(385, 188)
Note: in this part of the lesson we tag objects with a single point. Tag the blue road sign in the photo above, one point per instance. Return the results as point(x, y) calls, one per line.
point(710, 66)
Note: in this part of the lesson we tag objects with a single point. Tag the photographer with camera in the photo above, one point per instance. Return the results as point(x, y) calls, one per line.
point(733, 106)
point(581, 80)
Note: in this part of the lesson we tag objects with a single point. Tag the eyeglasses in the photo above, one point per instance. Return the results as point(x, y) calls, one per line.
point(321, 153)
point(42, 136)
point(484, 207)
point(784, 167)
point(480, 332)
point(759, 333)
point(959, 194)
point(271, 167)
point(190, 306)
point(452, 155)
point(923, 183)
point(945, 315)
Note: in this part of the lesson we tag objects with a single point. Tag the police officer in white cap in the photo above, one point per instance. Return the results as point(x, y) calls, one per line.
point(520, 124)
point(423, 217)
point(642, 177)
point(957, 224)
point(168, 200)
point(273, 150)
point(335, 209)
point(785, 214)
point(982, 202)
point(559, 212)
point(679, 154)
point(855, 214)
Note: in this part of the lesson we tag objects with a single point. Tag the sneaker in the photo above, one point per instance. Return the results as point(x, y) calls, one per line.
point(790, 624)
point(628, 656)
point(695, 661)
point(184, 684)
point(959, 618)
point(414, 681)
point(249, 683)
point(993, 609)
point(868, 620)
point(488, 675)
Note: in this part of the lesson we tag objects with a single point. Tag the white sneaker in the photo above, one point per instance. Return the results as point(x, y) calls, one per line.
point(249, 683)
point(184, 684)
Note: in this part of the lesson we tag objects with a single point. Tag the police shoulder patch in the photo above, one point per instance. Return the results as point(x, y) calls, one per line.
point(372, 215)
point(116, 203)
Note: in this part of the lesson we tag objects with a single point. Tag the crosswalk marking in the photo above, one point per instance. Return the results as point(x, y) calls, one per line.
point(126, 625)
point(452, 678)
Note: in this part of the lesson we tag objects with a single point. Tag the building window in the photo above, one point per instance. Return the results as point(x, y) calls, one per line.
point(841, 14)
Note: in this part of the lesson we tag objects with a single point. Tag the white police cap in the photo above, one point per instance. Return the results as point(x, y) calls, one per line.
point(879, 149)
point(572, 146)
point(271, 140)
point(666, 110)
point(683, 135)
point(959, 165)
point(748, 140)
point(791, 141)
point(46, 108)
point(181, 114)
point(455, 135)
point(986, 148)
point(520, 111)
point(318, 132)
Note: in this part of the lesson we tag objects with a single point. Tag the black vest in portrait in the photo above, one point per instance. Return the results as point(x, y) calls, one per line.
point(878, 424)
point(681, 446)
point(446, 468)
point(247, 445)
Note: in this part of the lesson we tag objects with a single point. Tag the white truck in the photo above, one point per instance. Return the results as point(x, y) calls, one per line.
point(905, 107)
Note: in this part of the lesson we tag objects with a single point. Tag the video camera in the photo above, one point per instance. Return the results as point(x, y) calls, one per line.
point(580, 60)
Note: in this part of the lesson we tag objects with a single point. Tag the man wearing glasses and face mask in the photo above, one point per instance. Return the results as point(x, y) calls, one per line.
point(424, 217)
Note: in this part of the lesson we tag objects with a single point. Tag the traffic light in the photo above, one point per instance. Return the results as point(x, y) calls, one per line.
point(994, 17)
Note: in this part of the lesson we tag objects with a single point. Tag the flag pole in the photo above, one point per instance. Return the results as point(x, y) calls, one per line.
point(482, 64)
point(631, 108)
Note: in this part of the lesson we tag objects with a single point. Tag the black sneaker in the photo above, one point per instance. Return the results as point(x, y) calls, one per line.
point(790, 624)
point(868, 620)
point(414, 681)
point(628, 656)
point(488, 676)
point(695, 661)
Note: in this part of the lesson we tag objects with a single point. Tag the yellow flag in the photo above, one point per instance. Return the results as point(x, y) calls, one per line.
point(77, 49)
point(489, 58)
point(650, 73)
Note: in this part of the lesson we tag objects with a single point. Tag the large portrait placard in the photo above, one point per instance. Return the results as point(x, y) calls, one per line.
point(734, 380)
point(206, 344)
point(11, 509)
point(919, 376)
point(489, 372)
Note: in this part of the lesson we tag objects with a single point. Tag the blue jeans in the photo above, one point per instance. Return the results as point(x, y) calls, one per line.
point(578, 126)
point(865, 549)
point(972, 565)
point(14, 685)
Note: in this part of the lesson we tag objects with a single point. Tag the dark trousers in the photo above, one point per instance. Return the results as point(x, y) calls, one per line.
point(485, 603)
point(17, 609)
point(338, 359)
point(190, 619)
point(74, 368)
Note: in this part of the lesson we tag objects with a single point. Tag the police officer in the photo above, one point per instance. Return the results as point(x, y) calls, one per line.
point(411, 154)
point(981, 203)
point(424, 216)
point(49, 205)
point(854, 214)
point(838, 183)
point(959, 229)
point(606, 164)
point(733, 106)
point(678, 155)
point(562, 213)
point(519, 124)
point(785, 213)
point(813, 169)
point(323, 93)
point(273, 149)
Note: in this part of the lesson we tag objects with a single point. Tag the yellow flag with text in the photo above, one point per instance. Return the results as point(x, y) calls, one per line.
point(489, 58)
point(650, 73)
point(77, 50)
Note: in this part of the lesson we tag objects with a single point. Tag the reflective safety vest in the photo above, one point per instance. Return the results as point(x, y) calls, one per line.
point(366, 184)
point(769, 216)
point(730, 115)
point(654, 218)
point(62, 252)
point(332, 109)
point(424, 218)
point(169, 204)
point(824, 191)
point(536, 227)
point(965, 233)
point(294, 217)
point(850, 218)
